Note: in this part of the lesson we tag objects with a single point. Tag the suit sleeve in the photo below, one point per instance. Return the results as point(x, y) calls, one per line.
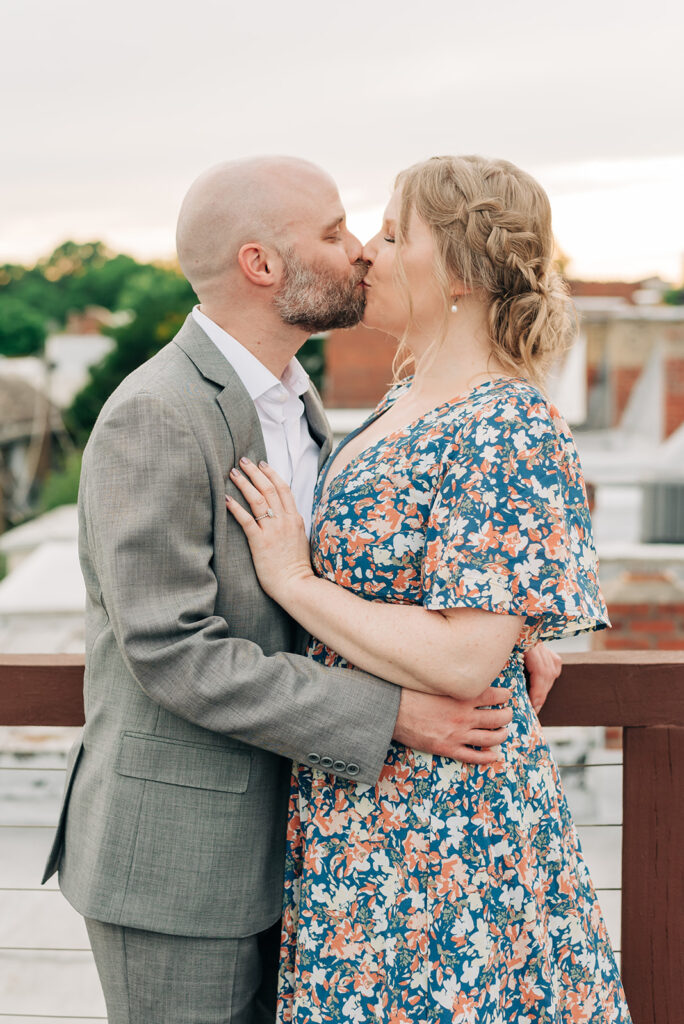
point(149, 511)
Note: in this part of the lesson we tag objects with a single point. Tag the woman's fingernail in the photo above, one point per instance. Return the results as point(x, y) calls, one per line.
point(245, 461)
point(263, 465)
point(228, 499)
point(234, 472)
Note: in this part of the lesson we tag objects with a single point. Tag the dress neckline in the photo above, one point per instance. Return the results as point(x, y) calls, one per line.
point(325, 484)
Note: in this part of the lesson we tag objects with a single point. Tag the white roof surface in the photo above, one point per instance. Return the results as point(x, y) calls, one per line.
point(48, 581)
point(69, 357)
point(61, 524)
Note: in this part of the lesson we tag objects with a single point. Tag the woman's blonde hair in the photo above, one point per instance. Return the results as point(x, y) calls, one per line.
point(491, 223)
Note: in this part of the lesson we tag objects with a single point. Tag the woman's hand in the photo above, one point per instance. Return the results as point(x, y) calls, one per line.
point(275, 530)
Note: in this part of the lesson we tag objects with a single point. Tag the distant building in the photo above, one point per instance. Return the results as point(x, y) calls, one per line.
point(634, 293)
point(63, 370)
point(30, 429)
point(622, 326)
point(622, 339)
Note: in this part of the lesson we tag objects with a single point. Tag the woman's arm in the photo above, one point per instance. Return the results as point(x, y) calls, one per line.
point(456, 652)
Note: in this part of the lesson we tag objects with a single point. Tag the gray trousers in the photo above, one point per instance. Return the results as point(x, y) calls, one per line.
point(149, 978)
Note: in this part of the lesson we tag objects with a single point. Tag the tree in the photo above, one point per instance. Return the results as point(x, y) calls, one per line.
point(76, 275)
point(89, 274)
point(312, 358)
point(61, 486)
point(159, 299)
point(22, 330)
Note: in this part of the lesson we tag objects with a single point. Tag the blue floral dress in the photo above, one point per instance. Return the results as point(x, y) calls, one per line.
point(450, 892)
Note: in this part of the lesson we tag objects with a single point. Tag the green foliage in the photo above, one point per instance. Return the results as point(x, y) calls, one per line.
point(22, 331)
point(61, 486)
point(30, 287)
point(159, 300)
point(72, 278)
point(312, 358)
point(675, 297)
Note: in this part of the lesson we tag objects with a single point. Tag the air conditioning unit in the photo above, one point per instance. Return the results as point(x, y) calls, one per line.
point(662, 517)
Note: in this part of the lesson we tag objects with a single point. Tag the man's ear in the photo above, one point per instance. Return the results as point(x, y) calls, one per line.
point(261, 266)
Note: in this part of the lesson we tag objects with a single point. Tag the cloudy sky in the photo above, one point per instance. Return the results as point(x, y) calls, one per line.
point(111, 109)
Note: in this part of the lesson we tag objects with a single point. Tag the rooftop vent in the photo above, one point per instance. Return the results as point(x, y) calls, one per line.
point(662, 518)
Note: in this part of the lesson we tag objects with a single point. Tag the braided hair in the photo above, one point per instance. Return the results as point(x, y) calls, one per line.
point(491, 223)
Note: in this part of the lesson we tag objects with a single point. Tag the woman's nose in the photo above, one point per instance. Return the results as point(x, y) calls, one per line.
point(368, 251)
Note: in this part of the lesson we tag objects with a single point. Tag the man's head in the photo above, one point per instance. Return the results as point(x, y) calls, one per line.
point(272, 230)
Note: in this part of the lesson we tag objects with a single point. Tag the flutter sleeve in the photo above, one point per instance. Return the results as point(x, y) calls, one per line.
point(509, 530)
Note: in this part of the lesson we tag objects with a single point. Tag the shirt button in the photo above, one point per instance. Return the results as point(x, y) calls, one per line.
point(326, 762)
point(353, 769)
point(281, 395)
point(340, 766)
point(314, 758)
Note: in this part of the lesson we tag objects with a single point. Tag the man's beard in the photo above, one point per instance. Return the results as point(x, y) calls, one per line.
point(311, 298)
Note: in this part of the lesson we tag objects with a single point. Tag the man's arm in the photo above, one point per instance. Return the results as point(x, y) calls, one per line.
point(149, 514)
point(150, 532)
point(543, 667)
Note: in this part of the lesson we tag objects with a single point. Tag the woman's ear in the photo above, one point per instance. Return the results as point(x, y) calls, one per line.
point(458, 289)
point(260, 265)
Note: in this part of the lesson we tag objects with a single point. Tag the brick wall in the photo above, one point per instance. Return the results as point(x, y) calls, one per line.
point(358, 367)
point(674, 395)
point(646, 611)
point(648, 627)
point(624, 379)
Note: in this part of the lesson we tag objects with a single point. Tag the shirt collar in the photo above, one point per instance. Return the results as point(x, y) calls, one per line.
point(256, 377)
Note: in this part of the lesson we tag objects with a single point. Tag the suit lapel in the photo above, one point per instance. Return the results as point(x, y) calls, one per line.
point(235, 402)
point(318, 423)
point(233, 399)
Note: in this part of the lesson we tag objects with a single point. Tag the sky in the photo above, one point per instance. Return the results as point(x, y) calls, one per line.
point(110, 110)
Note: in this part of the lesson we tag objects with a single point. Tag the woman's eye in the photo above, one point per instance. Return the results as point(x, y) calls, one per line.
point(388, 238)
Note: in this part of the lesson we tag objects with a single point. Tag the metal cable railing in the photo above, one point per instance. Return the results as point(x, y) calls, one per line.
point(573, 771)
point(643, 692)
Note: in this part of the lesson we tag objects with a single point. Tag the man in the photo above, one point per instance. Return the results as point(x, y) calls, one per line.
point(171, 838)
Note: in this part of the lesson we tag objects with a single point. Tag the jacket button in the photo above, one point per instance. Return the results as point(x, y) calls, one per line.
point(326, 762)
point(340, 766)
point(314, 758)
point(353, 769)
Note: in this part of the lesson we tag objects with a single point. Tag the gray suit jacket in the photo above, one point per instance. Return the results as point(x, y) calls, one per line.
point(196, 690)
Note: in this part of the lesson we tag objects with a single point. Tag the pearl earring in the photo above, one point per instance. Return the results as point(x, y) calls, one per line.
point(454, 306)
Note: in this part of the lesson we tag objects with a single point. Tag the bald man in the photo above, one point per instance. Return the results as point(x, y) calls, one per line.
point(197, 693)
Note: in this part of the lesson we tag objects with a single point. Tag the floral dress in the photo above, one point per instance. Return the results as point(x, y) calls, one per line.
point(448, 892)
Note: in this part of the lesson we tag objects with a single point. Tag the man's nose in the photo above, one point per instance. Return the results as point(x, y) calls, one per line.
point(354, 248)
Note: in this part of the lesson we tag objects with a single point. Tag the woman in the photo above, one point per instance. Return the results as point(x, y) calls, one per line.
point(451, 533)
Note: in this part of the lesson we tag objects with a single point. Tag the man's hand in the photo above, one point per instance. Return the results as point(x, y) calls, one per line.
point(452, 727)
point(543, 666)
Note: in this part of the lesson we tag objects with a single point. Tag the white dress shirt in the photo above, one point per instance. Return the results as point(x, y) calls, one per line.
point(290, 448)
